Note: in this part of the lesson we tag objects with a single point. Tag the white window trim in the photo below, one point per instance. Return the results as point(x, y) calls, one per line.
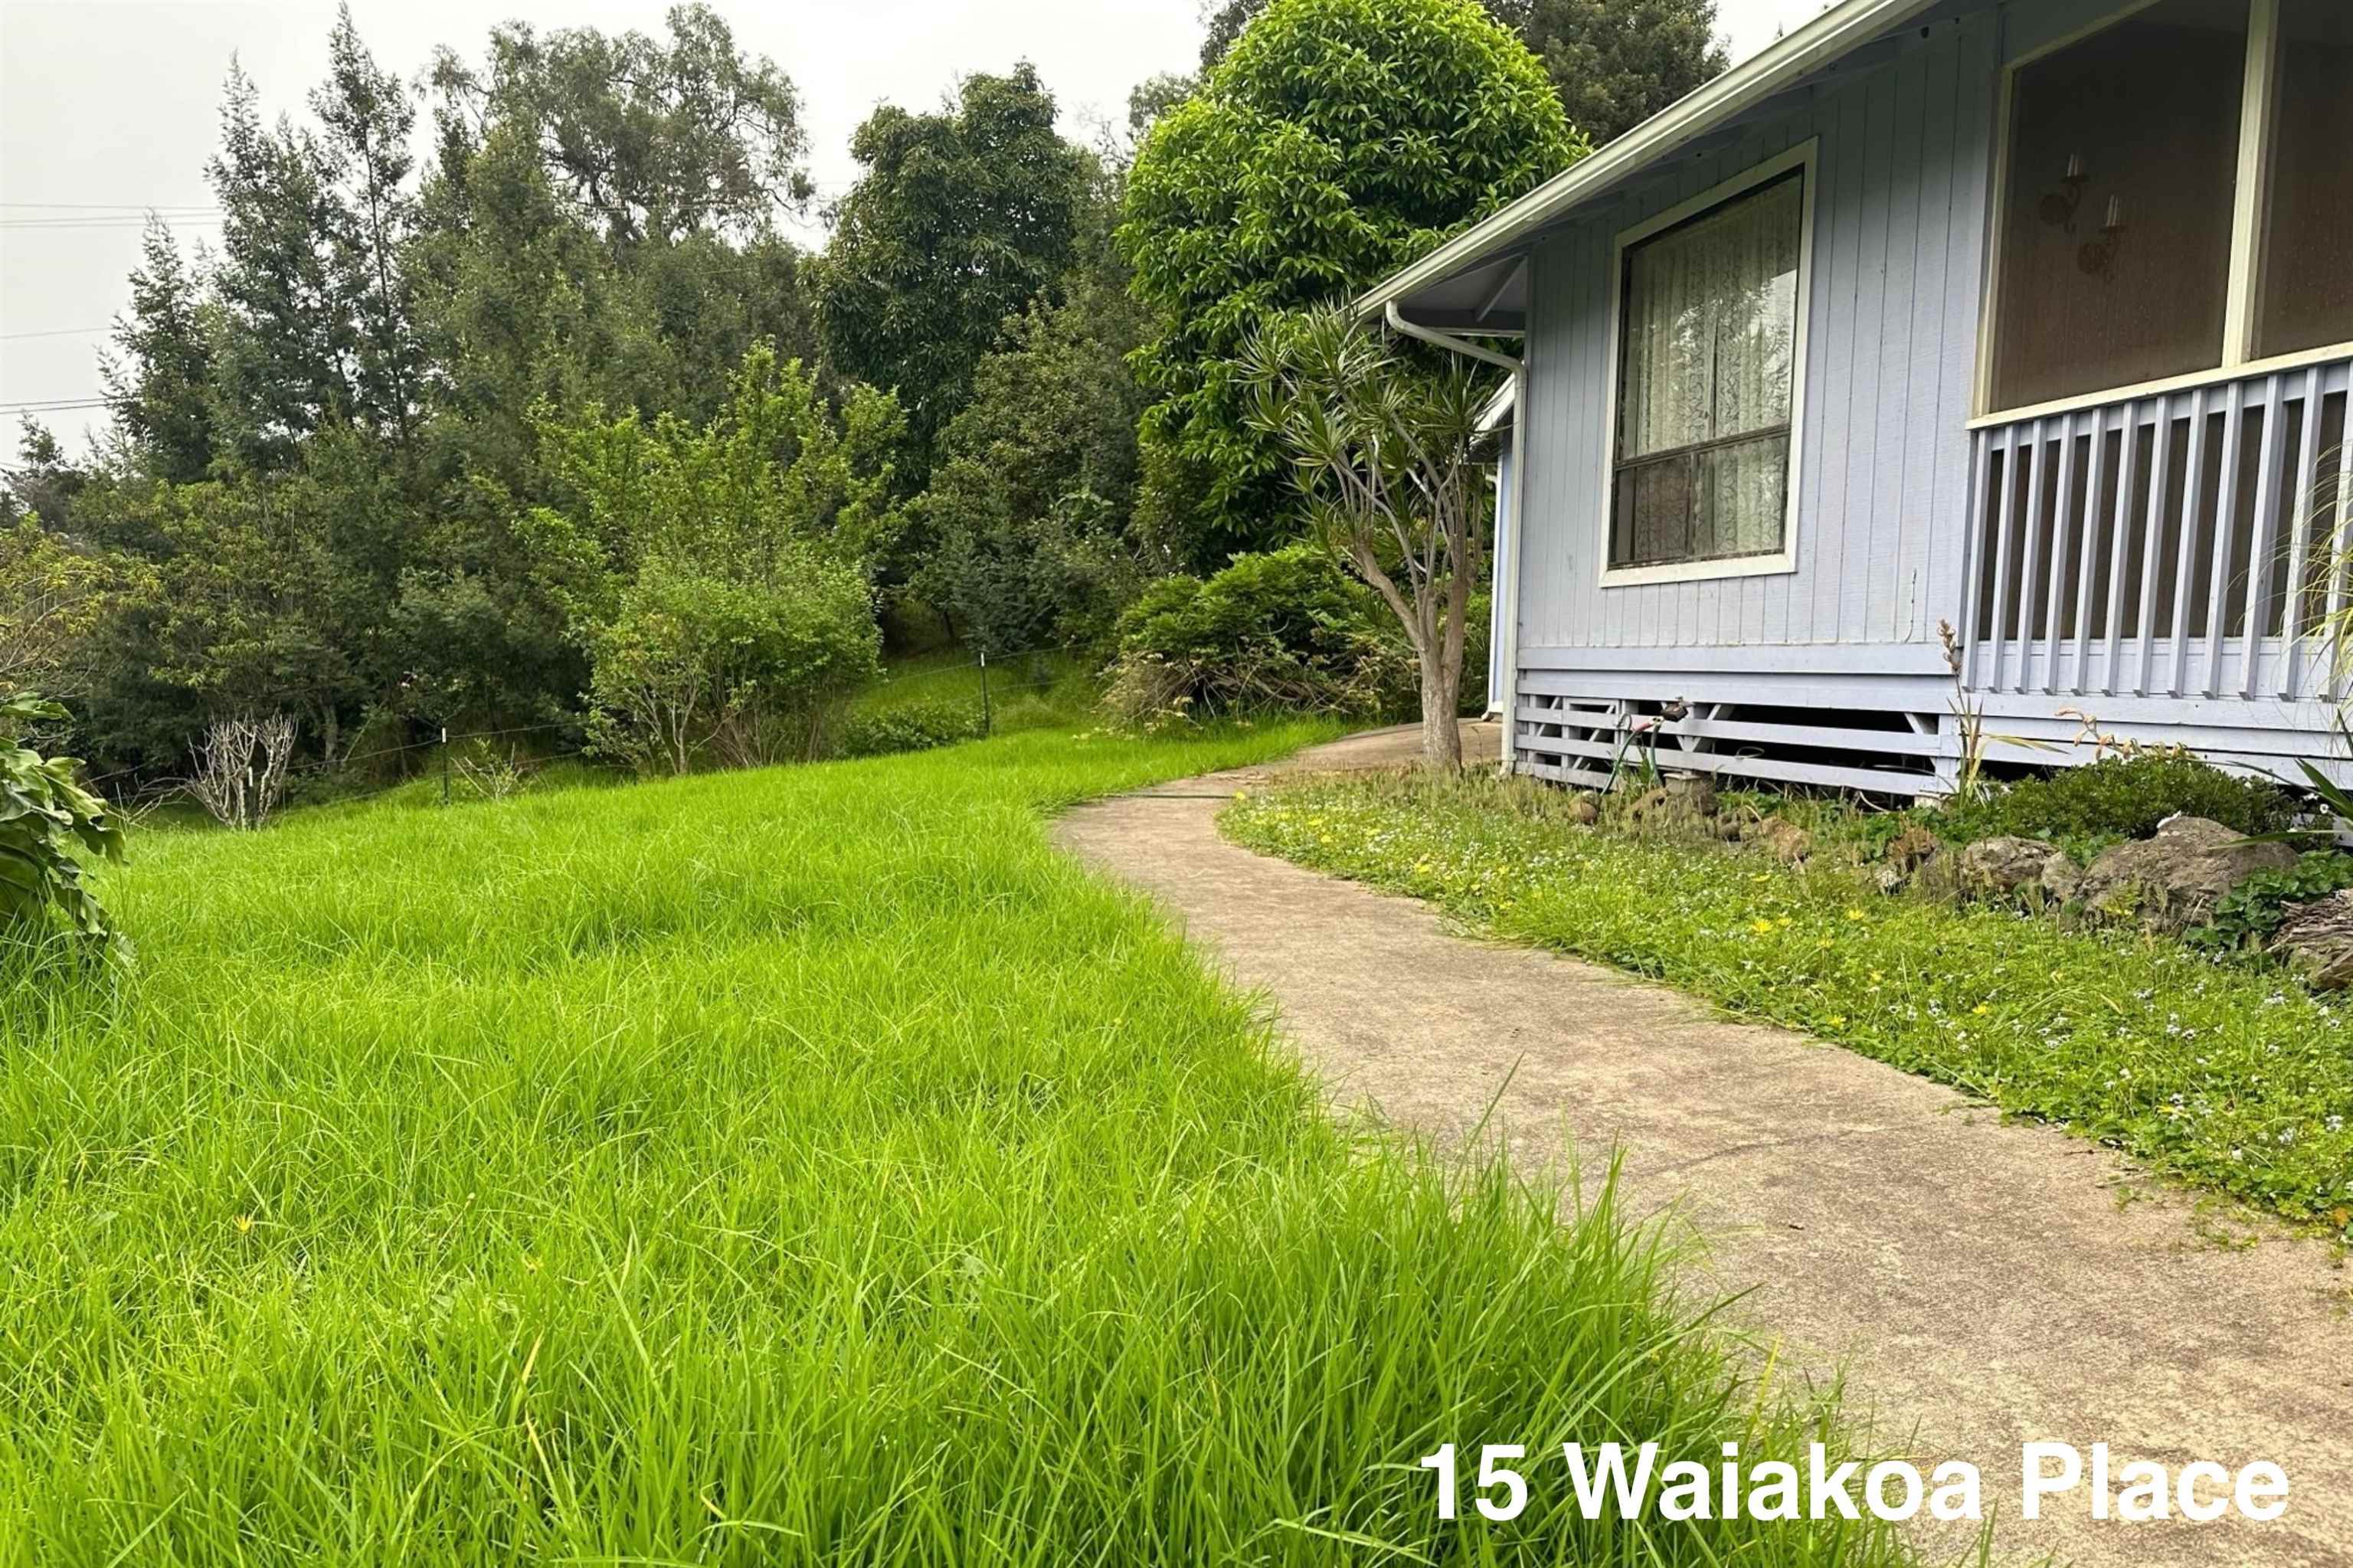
point(2251, 200)
point(1802, 156)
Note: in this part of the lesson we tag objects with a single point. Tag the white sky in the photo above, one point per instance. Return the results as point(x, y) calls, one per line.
point(113, 106)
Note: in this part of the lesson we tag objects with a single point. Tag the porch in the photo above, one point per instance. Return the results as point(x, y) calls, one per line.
point(2173, 558)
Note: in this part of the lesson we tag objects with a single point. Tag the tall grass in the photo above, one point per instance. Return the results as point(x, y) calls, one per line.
point(805, 1166)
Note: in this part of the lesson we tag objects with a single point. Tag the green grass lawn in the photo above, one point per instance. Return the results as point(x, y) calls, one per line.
point(805, 1166)
point(2231, 1078)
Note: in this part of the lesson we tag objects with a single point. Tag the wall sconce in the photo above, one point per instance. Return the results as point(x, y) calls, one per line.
point(2098, 256)
point(2059, 207)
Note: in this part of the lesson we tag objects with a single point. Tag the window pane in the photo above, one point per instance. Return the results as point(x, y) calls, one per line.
point(2138, 124)
point(2307, 277)
point(1711, 310)
point(1710, 326)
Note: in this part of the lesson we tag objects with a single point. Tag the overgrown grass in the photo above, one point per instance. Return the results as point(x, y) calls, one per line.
point(808, 1166)
point(2234, 1079)
point(1035, 691)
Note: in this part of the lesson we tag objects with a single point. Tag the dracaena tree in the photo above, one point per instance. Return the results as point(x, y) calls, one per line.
point(1385, 453)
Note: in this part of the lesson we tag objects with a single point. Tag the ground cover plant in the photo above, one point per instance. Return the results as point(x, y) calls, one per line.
point(2236, 1079)
point(805, 1165)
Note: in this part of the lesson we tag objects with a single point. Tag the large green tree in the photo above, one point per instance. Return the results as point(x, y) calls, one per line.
point(962, 218)
point(1615, 62)
point(1337, 140)
point(161, 377)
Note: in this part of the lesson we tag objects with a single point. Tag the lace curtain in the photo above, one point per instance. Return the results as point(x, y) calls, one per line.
point(1710, 330)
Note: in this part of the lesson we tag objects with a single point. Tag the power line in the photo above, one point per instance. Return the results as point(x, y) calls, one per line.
point(130, 206)
point(55, 331)
point(57, 406)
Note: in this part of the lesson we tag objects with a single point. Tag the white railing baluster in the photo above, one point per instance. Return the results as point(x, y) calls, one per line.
point(2062, 506)
point(2087, 569)
point(1974, 556)
point(1998, 633)
point(2226, 530)
point(2030, 577)
point(2192, 485)
point(2339, 533)
point(2299, 512)
point(2120, 541)
point(2160, 459)
point(2265, 524)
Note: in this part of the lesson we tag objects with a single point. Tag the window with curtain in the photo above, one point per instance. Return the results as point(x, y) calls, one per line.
point(1707, 361)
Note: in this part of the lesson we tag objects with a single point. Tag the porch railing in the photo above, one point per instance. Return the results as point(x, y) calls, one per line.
point(2188, 543)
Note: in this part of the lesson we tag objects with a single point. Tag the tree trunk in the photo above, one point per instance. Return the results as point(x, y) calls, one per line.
point(1441, 728)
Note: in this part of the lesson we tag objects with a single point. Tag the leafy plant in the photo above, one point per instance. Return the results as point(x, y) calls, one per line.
point(2251, 912)
point(48, 823)
point(2120, 798)
point(908, 726)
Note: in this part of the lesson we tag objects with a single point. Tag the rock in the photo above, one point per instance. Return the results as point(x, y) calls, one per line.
point(1684, 807)
point(2005, 867)
point(1789, 842)
point(2017, 868)
point(2317, 941)
point(2174, 881)
point(1692, 794)
point(1891, 880)
point(1586, 810)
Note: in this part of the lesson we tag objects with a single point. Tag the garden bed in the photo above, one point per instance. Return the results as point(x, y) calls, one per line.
point(2234, 1077)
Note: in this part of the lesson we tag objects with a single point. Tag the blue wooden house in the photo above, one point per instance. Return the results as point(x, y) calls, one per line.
point(2027, 319)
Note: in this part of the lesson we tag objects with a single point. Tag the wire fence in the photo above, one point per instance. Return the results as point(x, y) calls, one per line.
point(162, 790)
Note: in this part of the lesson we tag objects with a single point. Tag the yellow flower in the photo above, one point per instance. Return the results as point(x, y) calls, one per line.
point(1763, 927)
point(245, 1224)
point(1876, 977)
point(1855, 914)
point(1981, 1009)
point(1840, 1021)
point(1784, 920)
point(1826, 944)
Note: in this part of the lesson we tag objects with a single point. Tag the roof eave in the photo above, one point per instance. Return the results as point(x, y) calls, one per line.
point(1829, 36)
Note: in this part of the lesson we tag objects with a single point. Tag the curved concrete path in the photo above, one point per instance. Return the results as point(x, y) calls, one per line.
point(1982, 1284)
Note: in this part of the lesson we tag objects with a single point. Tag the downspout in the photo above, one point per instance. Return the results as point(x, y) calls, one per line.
point(1507, 602)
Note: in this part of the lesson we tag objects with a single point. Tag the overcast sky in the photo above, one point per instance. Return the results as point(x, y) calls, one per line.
point(108, 107)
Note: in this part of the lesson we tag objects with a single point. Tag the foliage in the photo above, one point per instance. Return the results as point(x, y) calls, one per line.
point(962, 219)
point(48, 826)
point(748, 666)
point(2251, 912)
point(686, 1085)
point(53, 598)
point(1339, 139)
point(2235, 1079)
point(1027, 511)
point(1386, 455)
point(1287, 629)
point(885, 731)
point(653, 139)
point(2120, 798)
point(1615, 62)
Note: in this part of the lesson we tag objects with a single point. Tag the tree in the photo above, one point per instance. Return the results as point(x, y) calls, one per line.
point(287, 345)
point(1386, 454)
point(962, 218)
point(1339, 139)
point(162, 386)
point(653, 139)
point(1615, 62)
point(1618, 62)
point(1029, 508)
point(368, 119)
point(54, 598)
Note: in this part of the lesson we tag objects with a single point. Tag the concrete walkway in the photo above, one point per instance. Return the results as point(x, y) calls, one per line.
point(1981, 1285)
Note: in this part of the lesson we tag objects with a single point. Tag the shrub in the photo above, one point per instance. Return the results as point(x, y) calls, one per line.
point(2251, 912)
point(1287, 629)
point(908, 726)
point(2120, 798)
point(750, 670)
point(47, 824)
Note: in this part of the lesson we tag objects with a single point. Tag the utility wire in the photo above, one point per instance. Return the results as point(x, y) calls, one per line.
point(55, 331)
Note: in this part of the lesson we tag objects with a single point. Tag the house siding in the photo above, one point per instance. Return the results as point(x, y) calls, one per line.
point(1904, 161)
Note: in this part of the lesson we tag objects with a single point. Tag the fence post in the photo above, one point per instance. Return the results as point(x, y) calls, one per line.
point(445, 764)
point(987, 721)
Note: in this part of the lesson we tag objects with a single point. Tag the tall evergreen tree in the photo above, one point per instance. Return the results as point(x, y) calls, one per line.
point(368, 118)
point(160, 384)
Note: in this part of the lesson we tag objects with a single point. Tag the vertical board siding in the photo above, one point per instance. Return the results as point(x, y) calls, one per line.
point(1883, 468)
